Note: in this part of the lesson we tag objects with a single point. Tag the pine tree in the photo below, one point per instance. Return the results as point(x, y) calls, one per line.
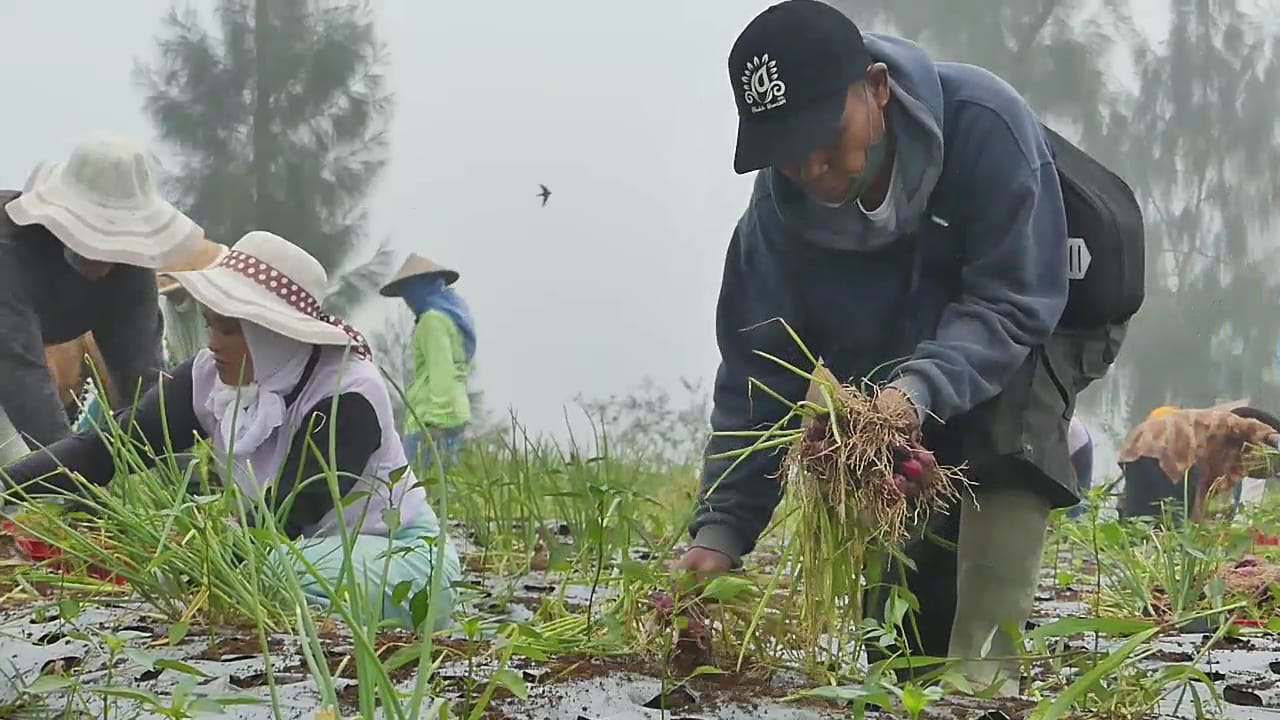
point(278, 117)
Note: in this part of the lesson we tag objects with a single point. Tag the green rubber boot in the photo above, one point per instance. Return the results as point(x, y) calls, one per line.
point(998, 567)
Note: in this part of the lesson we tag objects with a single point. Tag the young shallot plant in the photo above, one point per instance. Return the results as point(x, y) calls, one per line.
point(860, 483)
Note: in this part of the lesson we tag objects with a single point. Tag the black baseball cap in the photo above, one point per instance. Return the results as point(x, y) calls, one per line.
point(790, 70)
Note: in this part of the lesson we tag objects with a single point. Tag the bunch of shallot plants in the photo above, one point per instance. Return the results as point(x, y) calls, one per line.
point(860, 484)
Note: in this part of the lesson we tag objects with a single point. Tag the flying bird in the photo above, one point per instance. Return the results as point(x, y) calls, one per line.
point(545, 194)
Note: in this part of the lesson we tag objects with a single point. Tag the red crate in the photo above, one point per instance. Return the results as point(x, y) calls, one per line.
point(38, 551)
point(1261, 539)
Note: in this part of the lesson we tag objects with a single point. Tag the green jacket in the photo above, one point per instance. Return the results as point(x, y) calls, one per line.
point(438, 393)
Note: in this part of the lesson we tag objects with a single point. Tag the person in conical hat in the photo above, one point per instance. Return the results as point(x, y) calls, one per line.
point(278, 382)
point(78, 248)
point(444, 348)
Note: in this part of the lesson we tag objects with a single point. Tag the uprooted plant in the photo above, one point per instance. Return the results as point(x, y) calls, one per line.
point(860, 483)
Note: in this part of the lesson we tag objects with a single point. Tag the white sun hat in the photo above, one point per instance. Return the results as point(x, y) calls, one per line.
point(102, 204)
point(202, 254)
point(271, 282)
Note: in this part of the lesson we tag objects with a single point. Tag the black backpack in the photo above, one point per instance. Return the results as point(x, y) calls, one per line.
point(1021, 432)
point(1105, 248)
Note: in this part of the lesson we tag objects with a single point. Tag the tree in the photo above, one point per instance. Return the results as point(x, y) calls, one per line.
point(1201, 152)
point(1054, 52)
point(278, 120)
point(1197, 142)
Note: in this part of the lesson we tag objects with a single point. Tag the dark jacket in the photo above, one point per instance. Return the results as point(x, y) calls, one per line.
point(953, 309)
point(45, 301)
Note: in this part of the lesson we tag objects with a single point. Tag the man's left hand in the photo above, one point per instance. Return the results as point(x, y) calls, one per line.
point(896, 404)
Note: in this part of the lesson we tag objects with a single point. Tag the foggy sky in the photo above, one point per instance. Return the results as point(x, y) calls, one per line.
point(622, 109)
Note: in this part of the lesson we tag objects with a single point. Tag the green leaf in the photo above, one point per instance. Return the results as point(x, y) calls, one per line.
point(638, 572)
point(1064, 702)
point(957, 681)
point(725, 588)
point(178, 631)
point(420, 606)
point(205, 706)
point(226, 701)
point(141, 658)
point(402, 657)
point(179, 666)
point(895, 609)
point(138, 696)
point(513, 682)
point(354, 498)
point(391, 518)
point(1112, 627)
point(68, 609)
point(915, 662)
point(528, 630)
point(48, 684)
point(704, 670)
point(613, 628)
point(845, 694)
point(558, 556)
point(401, 592)
point(182, 691)
point(913, 699)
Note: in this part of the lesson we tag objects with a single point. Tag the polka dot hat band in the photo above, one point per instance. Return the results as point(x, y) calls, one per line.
point(280, 285)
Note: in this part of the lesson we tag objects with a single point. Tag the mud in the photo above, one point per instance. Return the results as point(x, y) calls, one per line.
point(33, 642)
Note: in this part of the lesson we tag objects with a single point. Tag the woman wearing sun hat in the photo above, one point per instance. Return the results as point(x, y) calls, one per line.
point(78, 246)
point(279, 381)
point(444, 348)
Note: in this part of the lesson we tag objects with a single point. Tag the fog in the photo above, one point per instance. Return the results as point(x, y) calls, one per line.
point(621, 109)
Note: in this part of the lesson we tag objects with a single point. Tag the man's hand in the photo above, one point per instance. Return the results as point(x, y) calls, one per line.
point(704, 563)
point(893, 402)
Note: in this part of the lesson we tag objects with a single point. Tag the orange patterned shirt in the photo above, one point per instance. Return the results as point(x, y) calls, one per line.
point(1213, 439)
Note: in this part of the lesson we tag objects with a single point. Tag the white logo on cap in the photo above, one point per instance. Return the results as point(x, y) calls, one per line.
point(764, 91)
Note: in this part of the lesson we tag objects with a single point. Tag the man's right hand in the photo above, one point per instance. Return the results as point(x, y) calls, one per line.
point(704, 563)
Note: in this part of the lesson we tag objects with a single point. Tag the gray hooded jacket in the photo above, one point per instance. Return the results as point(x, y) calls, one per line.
point(947, 307)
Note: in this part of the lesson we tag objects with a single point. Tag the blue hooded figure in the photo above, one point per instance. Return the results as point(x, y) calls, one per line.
point(444, 345)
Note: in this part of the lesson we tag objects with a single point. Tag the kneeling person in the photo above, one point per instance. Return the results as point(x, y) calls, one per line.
point(263, 392)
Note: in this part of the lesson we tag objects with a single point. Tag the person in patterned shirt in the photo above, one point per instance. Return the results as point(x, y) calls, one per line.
point(1204, 447)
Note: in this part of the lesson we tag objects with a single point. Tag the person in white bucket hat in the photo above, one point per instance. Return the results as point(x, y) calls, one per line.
point(78, 246)
point(279, 381)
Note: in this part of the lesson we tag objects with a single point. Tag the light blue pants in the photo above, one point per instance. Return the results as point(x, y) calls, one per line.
point(382, 564)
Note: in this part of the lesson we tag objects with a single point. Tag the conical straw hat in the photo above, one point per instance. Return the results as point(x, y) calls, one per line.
point(416, 266)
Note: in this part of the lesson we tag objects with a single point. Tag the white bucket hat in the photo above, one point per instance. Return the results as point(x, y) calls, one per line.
point(102, 204)
point(269, 281)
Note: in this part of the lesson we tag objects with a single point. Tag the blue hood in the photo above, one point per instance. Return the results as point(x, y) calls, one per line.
point(916, 120)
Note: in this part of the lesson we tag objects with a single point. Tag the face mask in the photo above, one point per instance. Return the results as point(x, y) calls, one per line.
point(877, 153)
point(885, 217)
